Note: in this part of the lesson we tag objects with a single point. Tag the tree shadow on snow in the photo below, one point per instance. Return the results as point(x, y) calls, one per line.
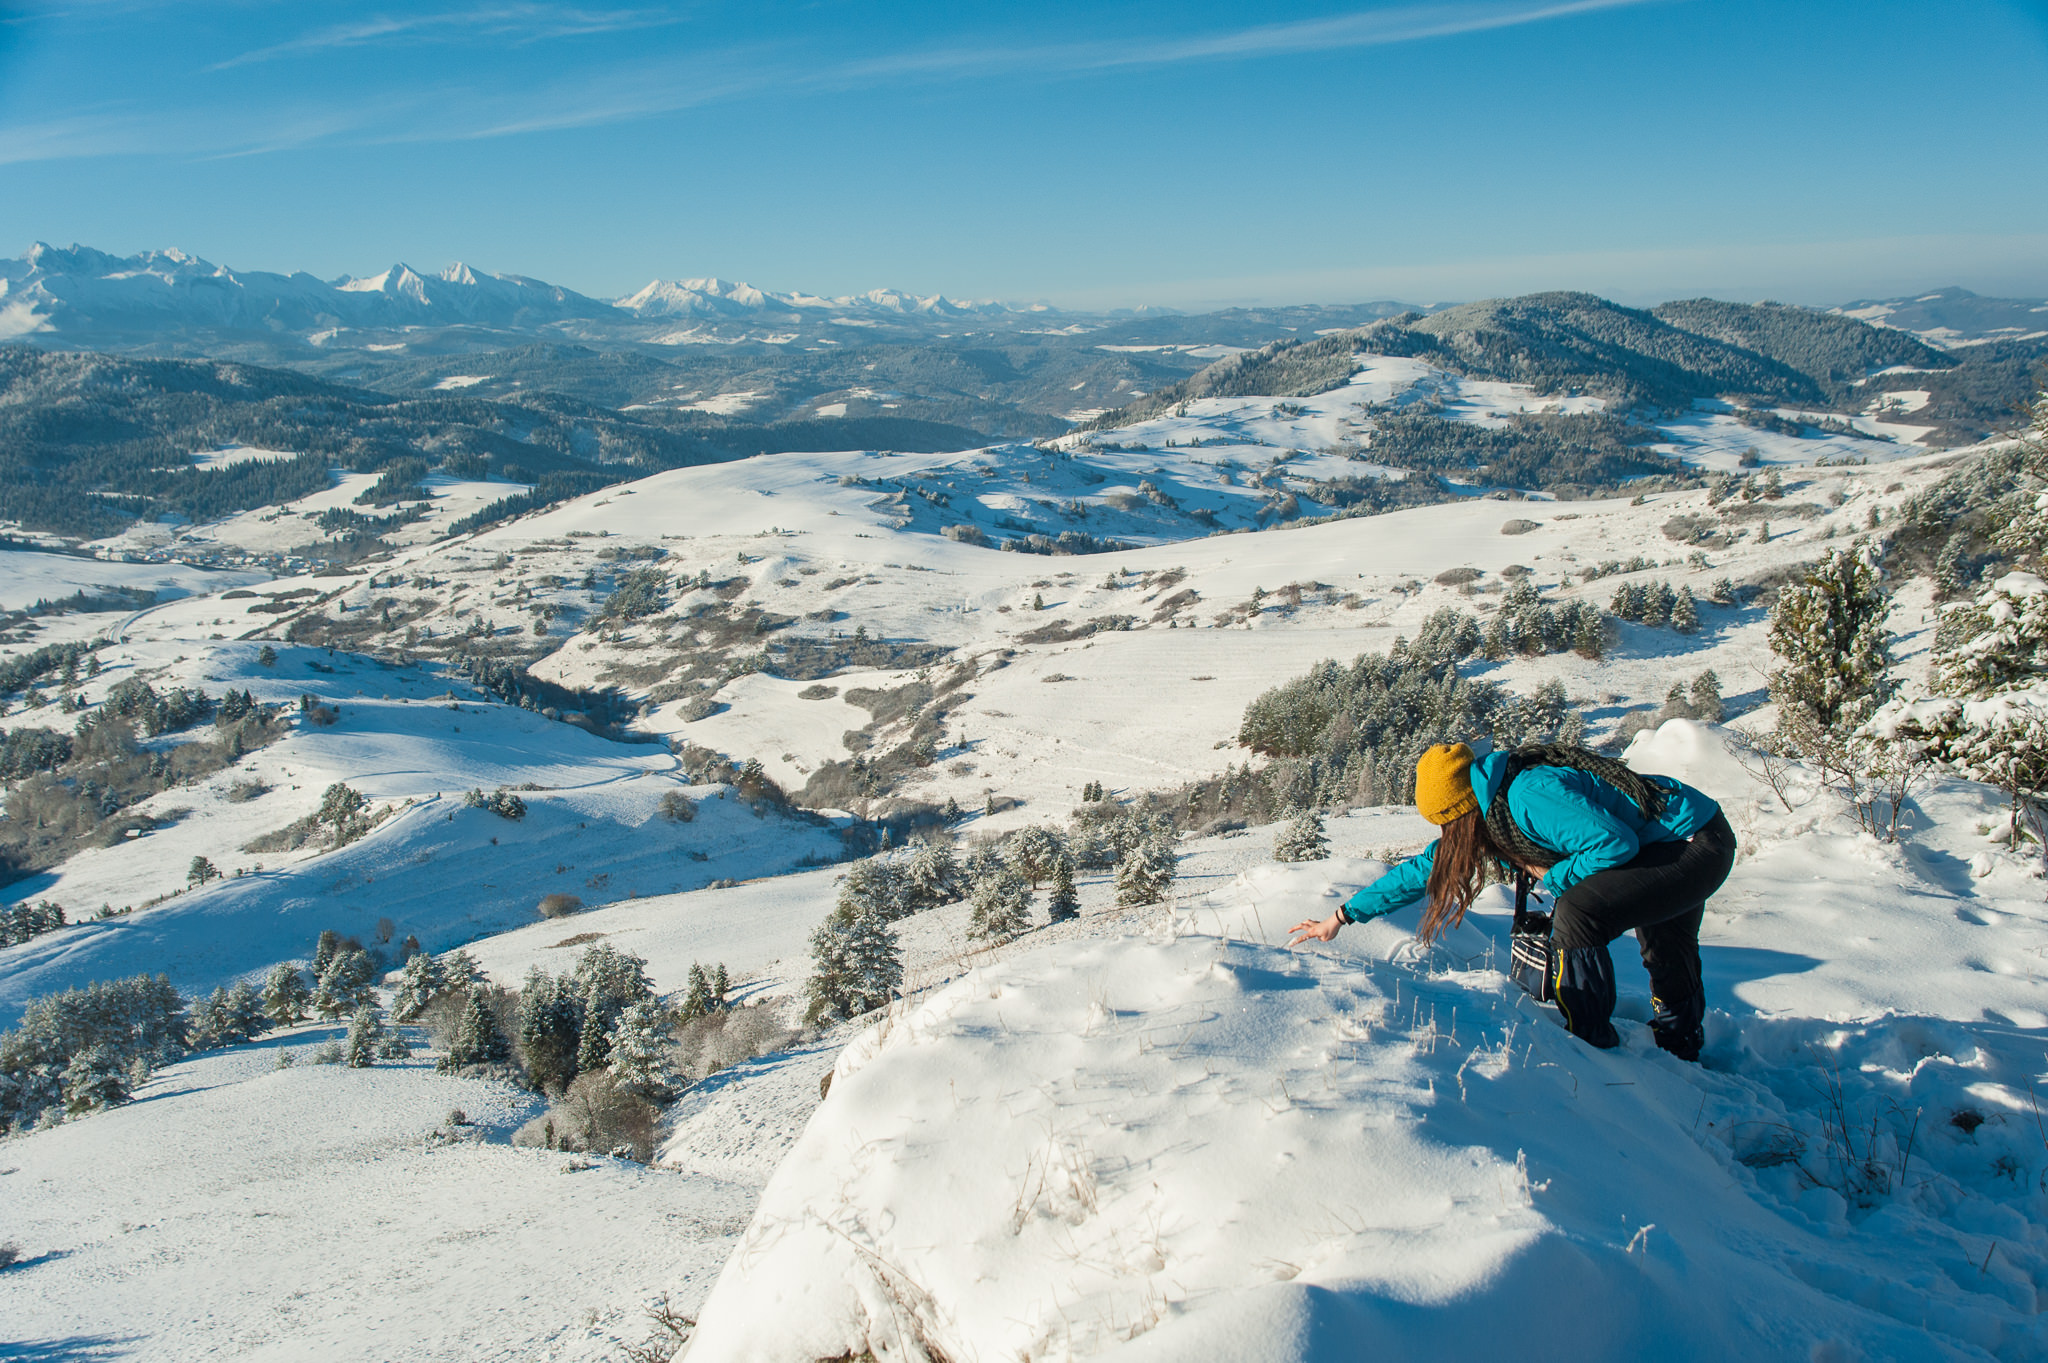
point(71, 1347)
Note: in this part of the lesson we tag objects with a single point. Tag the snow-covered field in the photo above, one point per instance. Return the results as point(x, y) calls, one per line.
point(27, 577)
point(1154, 1132)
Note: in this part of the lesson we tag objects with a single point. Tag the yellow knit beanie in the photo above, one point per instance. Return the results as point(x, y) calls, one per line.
point(1443, 784)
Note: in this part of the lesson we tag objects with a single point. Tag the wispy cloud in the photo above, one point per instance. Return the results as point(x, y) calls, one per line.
point(1366, 28)
point(517, 23)
point(621, 92)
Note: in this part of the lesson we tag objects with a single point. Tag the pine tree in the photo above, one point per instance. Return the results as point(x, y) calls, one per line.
point(639, 1054)
point(1722, 592)
point(266, 656)
point(200, 872)
point(930, 877)
point(1303, 839)
point(1589, 636)
point(365, 1030)
point(323, 950)
point(1063, 903)
point(345, 985)
point(856, 967)
point(460, 970)
point(477, 1038)
point(721, 984)
point(1145, 873)
point(423, 980)
point(609, 981)
point(96, 1078)
point(875, 884)
point(209, 1026)
point(1032, 852)
point(1997, 643)
point(285, 995)
point(245, 1013)
point(1002, 907)
point(1828, 632)
point(698, 1000)
point(1685, 617)
point(594, 1044)
point(1706, 697)
point(550, 1031)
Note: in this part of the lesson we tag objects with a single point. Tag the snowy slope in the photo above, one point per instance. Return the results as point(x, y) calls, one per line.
point(1192, 1141)
point(27, 577)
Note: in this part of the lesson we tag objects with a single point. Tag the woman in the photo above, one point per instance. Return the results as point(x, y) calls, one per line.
point(1617, 850)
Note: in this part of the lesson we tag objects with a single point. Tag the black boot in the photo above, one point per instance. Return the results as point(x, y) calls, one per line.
point(1583, 980)
point(1671, 953)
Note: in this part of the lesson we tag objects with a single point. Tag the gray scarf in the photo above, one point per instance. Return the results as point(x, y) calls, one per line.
point(1508, 836)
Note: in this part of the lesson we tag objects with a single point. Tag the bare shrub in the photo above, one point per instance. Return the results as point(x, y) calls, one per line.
point(1457, 577)
point(678, 806)
point(708, 1044)
point(10, 1254)
point(559, 905)
point(599, 1116)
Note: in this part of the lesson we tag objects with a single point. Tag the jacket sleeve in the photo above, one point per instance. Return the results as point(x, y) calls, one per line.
point(1589, 838)
point(1396, 889)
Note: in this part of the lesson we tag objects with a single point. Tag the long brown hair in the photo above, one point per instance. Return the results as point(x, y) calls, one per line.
point(1465, 852)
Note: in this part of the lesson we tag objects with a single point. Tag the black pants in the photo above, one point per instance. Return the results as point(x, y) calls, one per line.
point(1662, 895)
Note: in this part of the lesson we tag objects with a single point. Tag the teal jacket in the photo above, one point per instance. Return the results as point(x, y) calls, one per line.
point(1588, 823)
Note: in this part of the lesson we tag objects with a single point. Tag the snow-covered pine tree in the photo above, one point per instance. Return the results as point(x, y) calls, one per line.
point(345, 985)
point(550, 1031)
point(1303, 839)
point(477, 1038)
point(721, 985)
point(1063, 903)
point(875, 884)
point(245, 1013)
point(594, 1043)
point(856, 967)
point(1828, 632)
point(324, 948)
point(930, 877)
point(285, 996)
point(1589, 635)
point(1496, 645)
point(609, 981)
point(365, 1031)
point(1146, 873)
point(1706, 696)
point(423, 980)
point(1997, 643)
point(97, 1078)
point(209, 1024)
point(982, 862)
point(1032, 852)
point(698, 1000)
point(1685, 617)
point(1002, 907)
point(639, 1054)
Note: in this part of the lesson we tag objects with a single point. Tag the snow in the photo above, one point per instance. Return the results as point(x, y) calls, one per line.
point(27, 577)
point(461, 381)
point(1191, 1141)
point(240, 1210)
point(227, 456)
point(1151, 1132)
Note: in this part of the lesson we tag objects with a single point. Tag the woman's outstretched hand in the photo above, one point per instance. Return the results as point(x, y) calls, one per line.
point(1320, 930)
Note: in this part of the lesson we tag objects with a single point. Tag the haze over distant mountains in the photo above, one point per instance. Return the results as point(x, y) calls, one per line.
point(171, 302)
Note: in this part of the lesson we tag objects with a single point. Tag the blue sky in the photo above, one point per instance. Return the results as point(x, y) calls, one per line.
point(1190, 154)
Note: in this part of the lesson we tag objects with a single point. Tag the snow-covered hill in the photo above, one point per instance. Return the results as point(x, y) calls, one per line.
point(1151, 1132)
point(1193, 1142)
